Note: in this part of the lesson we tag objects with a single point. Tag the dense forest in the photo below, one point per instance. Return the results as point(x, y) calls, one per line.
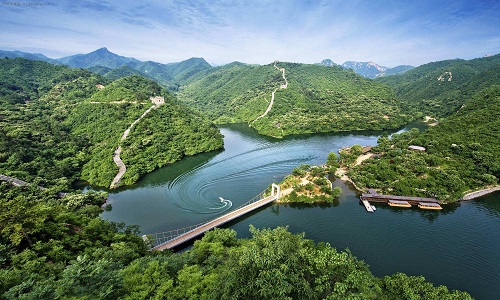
point(438, 89)
point(462, 154)
point(62, 122)
point(59, 248)
point(317, 99)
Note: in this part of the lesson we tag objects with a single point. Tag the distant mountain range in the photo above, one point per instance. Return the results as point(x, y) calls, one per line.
point(100, 57)
point(114, 66)
point(30, 56)
point(368, 69)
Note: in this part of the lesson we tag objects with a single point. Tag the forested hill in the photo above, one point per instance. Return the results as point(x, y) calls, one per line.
point(317, 99)
point(59, 122)
point(463, 154)
point(440, 88)
point(114, 66)
point(23, 80)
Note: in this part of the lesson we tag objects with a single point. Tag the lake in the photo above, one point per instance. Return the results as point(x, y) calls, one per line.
point(458, 247)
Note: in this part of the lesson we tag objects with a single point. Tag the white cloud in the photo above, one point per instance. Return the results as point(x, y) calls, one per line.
point(389, 33)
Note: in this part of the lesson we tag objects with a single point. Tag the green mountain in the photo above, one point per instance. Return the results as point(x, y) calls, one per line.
point(462, 154)
point(100, 57)
point(114, 66)
point(317, 98)
point(171, 74)
point(75, 121)
point(30, 56)
point(23, 80)
point(117, 73)
point(99, 70)
point(440, 88)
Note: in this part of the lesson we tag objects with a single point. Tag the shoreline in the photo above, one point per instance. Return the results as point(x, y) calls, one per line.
point(341, 173)
point(480, 193)
point(469, 196)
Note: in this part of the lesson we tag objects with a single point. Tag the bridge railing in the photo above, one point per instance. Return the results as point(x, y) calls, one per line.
point(156, 239)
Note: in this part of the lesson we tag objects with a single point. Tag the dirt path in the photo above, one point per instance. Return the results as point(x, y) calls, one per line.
point(116, 156)
point(283, 86)
point(341, 172)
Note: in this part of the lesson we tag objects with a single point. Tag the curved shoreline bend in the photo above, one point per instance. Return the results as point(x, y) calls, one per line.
point(480, 193)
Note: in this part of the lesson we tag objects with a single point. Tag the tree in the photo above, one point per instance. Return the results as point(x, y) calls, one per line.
point(332, 159)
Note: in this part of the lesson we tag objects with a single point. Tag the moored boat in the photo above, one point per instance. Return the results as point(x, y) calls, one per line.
point(397, 203)
point(425, 205)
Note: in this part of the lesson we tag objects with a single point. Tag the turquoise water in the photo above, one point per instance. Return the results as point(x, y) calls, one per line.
point(458, 246)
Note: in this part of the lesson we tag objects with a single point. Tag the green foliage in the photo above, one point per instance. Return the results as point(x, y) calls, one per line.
point(130, 89)
point(462, 154)
point(42, 236)
point(332, 159)
point(24, 80)
point(316, 189)
point(318, 99)
point(402, 286)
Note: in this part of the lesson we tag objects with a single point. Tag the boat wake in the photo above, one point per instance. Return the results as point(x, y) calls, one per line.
point(226, 204)
point(197, 189)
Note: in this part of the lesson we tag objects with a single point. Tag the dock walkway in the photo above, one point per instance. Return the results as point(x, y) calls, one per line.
point(170, 244)
point(372, 195)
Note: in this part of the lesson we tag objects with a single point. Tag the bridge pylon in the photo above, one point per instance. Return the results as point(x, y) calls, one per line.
point(275, 190)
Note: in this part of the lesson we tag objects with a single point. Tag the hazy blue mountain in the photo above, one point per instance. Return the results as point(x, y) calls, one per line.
point(30, 56)
point(100, 57)
point(327, 62)
point(114, 66)
point(373, 70)
point(398, 70)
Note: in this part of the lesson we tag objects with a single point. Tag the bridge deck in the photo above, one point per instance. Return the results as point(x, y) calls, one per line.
point(214, 223)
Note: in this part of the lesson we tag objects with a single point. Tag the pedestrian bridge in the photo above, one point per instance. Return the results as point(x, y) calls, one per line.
point(174, 238)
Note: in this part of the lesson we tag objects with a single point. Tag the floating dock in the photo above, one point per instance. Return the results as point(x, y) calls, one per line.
point(367, 205)
point(398, 201)
point(373, 196)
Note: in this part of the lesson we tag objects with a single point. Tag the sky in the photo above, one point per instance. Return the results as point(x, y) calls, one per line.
point(390, 33)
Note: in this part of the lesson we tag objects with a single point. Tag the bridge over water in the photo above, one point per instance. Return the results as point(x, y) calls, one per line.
point(174, 238)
